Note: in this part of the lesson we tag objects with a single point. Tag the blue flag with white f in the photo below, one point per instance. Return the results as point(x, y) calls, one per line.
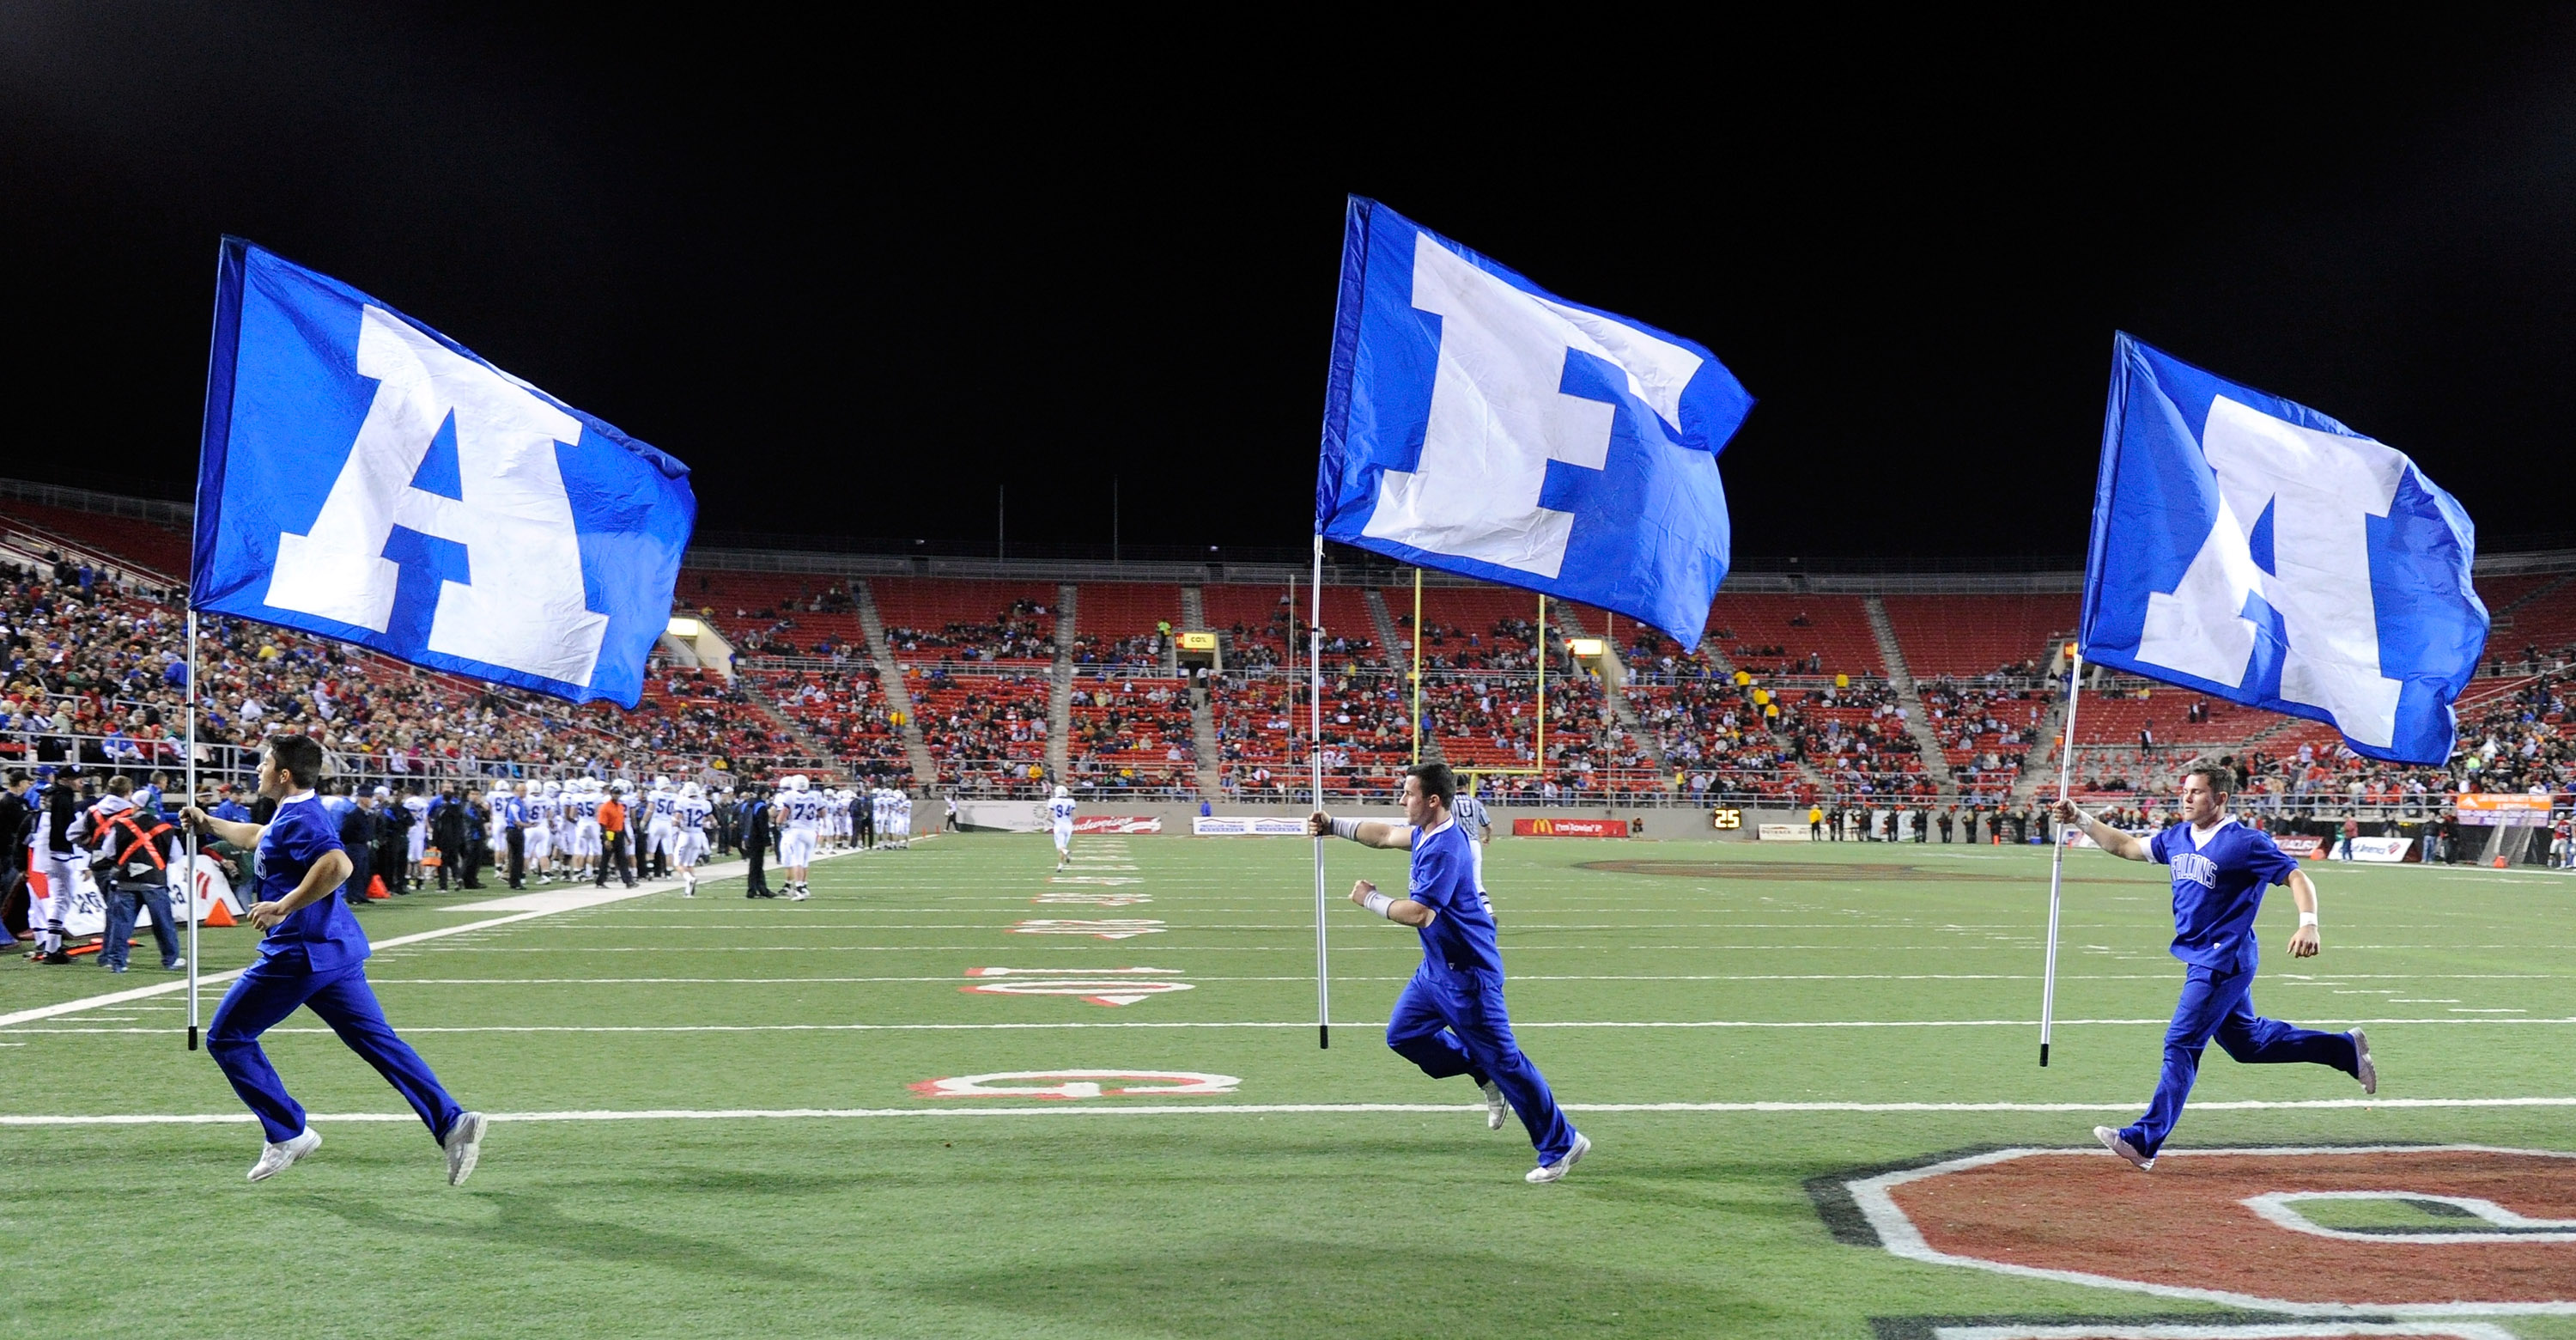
point(1480, 425)
point(366, 478)
point(2254, 549)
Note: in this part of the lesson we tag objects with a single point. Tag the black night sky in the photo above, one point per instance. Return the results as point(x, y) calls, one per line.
point(858, 277)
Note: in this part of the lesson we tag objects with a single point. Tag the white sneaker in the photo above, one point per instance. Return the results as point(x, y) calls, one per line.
point(1550, 1172)
point(1497, 1109)
point(464, 1145)
point(797, 894)
point(2110, 1138)
point(277, 1158)
point(2363, 1068)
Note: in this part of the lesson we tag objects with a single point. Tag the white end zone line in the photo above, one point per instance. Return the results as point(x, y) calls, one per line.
point(543, 903)
point(1899, 1235)
point(1114, 1109)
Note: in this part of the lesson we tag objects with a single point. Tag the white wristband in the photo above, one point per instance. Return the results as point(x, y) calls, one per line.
point(1347, 828)
point(2307, 918)
point(1380, 904)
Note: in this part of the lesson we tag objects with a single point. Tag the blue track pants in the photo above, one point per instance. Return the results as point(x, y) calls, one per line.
point(1452, 1022)
point(2221, 1005)
point(270, 991)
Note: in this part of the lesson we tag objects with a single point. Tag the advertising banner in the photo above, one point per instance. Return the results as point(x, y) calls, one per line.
point(2501, 810)
point(1225, 825)
point(1780, 833)
point(2383, 850)
point(1590, 828)
point(1116, 823)
point(2301, 846)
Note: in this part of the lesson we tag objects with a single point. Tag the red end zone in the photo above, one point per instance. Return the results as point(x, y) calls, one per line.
point(2227, 1225)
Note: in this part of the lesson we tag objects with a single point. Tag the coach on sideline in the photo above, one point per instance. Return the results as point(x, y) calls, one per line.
point(314, 955)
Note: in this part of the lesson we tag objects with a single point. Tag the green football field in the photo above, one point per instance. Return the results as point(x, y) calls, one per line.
point(723, 1117)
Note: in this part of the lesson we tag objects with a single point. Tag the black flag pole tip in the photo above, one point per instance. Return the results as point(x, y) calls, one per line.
point(192, 1037)
point(1324, 1037)
point(2043, 1056)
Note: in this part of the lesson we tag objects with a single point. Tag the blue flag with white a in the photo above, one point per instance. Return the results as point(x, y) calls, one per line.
point(368, 479)
point(1480, 425)
point(2254, 549)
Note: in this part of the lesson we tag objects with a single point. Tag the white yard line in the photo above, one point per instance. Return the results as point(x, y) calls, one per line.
point(541, 903)
point(1112, 1108)
point(2158, 1021)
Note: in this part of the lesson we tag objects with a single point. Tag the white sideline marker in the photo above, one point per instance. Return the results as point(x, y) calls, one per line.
point(1112, 1108)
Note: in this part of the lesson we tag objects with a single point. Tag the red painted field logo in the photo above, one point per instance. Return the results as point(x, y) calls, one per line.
point(1592, 828)
point(1114, 929)
point(1064, 1084)
point(2416, 1231)
point(1099, 986)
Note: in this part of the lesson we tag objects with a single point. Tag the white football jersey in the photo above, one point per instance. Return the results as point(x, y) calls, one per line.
point(799, 809)
point(1061, 810)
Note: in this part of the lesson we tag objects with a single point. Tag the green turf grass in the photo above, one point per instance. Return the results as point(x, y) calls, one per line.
point(1069, 1219)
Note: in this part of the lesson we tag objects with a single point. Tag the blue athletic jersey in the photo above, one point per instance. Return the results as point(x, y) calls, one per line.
point(2217, 888)
point(1444, 880)
point(323, 931)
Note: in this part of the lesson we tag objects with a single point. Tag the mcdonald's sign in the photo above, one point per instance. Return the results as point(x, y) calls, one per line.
point(1591, 828)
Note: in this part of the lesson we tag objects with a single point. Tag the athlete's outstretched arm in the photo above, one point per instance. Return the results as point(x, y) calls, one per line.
point(2106, 837)
point(1366, 832)
point(1402, 911)
point(2304, 942)
point(227, 830)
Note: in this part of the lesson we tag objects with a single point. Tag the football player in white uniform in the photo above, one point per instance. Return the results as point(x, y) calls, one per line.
point(903, 818)
point(582, 806)
point(1060, 815)
point(537, 831)
point(652, 855)
point(689, 814)
point(1478, 826)
point(416, 838)
point(799, 809)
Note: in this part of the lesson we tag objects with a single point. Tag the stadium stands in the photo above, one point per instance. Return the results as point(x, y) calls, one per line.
point(91, 679)
point(1977, 635)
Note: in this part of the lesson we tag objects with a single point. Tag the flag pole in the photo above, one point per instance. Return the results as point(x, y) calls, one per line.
point(1417, 665)
point(1540, 762)
point(1315, 706)
point(188, 885)
point(2057, 859)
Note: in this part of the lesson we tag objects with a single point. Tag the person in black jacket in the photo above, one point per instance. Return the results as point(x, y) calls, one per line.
point(478, 843)
point(392, 823)
point(447, 823)
point(56, 852)
point(360, 829)
point(755, 843)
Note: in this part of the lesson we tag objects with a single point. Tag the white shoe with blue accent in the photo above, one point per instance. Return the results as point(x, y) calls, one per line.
point(2363, 1068)
point(1553, 1172)
point(277, 1158)
point(2112, 1140)
point(1498, 1109)
point(464, 1145)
